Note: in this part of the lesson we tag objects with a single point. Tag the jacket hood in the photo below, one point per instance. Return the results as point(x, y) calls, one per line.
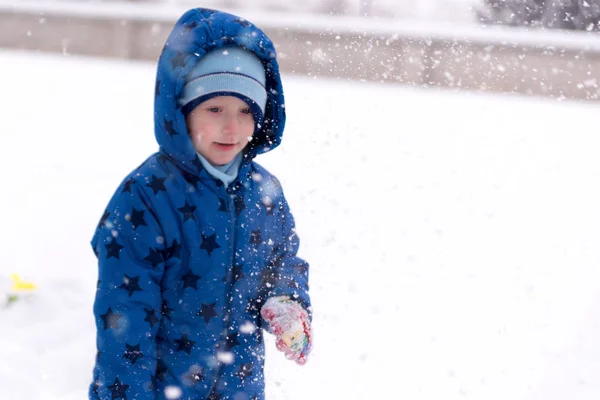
point(196, 33)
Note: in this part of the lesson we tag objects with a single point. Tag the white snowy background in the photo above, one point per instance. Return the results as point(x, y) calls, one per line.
point(453, 237)
point(458, 11)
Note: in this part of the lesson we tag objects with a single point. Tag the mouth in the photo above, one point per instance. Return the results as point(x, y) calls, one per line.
point(225, 146)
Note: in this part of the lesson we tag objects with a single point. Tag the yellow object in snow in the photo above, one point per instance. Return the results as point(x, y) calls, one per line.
point(20, 286)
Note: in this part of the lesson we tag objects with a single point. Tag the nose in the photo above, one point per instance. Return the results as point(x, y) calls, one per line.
point(232, 123)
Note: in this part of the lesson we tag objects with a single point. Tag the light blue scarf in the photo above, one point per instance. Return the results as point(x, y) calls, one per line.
point(225, 173)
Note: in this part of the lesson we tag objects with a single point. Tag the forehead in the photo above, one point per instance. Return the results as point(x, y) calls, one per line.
point(226, 100)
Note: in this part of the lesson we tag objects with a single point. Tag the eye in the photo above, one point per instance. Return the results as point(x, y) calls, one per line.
point(213, 109)
point(246, 111)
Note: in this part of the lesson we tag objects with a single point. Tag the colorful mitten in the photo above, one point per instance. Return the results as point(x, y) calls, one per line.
point(289, 322)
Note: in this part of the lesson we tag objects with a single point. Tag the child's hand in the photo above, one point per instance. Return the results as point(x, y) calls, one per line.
point(289, 322)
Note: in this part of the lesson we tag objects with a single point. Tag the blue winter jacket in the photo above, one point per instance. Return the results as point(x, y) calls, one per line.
point(185, 263)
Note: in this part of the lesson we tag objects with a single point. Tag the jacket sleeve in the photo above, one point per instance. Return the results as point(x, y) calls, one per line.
point(130, 249)
point(289, 273)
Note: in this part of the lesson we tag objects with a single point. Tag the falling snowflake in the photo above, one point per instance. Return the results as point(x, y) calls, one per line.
point(225, 357)
point(173, 392)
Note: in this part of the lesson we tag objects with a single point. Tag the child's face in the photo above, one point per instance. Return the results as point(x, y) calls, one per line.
point(220, 128)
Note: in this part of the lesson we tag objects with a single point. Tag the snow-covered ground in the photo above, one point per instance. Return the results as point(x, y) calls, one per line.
point(453, 238)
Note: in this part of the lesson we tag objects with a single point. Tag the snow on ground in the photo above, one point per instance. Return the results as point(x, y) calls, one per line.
point(453, 238)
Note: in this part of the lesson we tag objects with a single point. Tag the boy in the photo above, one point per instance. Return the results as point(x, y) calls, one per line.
point(197, 249)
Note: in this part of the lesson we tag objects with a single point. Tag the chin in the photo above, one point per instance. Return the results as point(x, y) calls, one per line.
point(221, 161)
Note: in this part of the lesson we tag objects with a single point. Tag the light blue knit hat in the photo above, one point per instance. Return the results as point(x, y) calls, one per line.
point(227, 71)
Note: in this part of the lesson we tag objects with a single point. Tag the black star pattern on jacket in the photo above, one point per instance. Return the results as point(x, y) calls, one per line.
point(237, 273)
point(214, 395)
point(137, 218)
point(188, 211)
point(133, 353)
point(157, 184)
point(111, 320)
point(113, 249)
point(169, 128)
point(209, 243)
point(127, 185)
point(173, 251)
point(239, 205)
point(131, 284)
point(195, 375)
point(244, 372)
point(190, 178)
point(256, 238)
point(150, 317)
point(165, 310)
point(103, 219)
point(178, 61)
point(207, 311)
point(154, 257)
point(118, 390)
point(231, 341)
point(185, 344)
point(190, 280)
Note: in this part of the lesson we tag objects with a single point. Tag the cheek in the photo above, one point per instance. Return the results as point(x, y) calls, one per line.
point(246, 137)
point(196, 137)
point(248, 130)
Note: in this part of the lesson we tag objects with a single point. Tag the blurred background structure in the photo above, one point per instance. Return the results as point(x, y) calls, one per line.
point(533, 47)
